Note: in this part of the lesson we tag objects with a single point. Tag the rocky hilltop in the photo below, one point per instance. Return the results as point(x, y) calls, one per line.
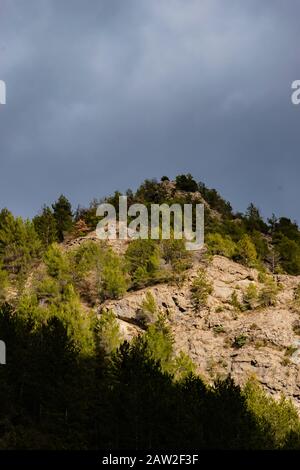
point(220, 338)
point(69, 300)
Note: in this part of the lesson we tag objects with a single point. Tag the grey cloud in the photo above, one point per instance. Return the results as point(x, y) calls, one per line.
point(102, 94)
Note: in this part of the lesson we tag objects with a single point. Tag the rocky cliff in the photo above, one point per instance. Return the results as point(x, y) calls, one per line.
point(220, 338)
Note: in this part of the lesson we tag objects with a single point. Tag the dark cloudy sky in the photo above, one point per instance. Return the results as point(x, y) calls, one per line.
point(104, 93)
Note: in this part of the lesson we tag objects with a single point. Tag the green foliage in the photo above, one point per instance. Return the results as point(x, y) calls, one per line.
point(268, 294)
point(262, 276)
point(254, 221)
point(159, 342)
point(113, 283)
point(215, 201)
point(30, 311)
point(88, 215)
point(234, 301)
point(62, 211)
point(246, 251)
point(71, 383)
point(284, 227)
point(278, 419)
point(57, 262)
point(143, 261)
point(87, 257)
point(63, 304)
point(151, 192)
point(45, 226)
point(261, 245)
point(108, 335)
point(78, 323)
point(54, 397)
point(289, 255)
point(20, 246)
point(175, 253)
point(148, 312)
point(98, 272)
point(250, 296)
point(47, 289)
point(186, 183)
point(239, 341)
point(218, 329)
point(286, 244)
point(200, 290)
point(182, 366)
point(220, 245)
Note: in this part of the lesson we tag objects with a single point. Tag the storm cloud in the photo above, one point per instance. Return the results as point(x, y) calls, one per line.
point(104, 93)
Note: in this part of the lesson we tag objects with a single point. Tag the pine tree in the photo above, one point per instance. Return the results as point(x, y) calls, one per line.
point(254, 219)
point(183, 366)
point(113, 280)
point(19, 243)
point(186, 183)
point(57, 262)
point(148, 312)
point(45, 226)
point(200, 290)
point(246, 251)
point(142, 257)
point(159, 341)
point(108, 333)
point(62, 211)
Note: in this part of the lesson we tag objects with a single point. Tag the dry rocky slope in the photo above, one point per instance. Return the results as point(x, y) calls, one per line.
point(207, 336)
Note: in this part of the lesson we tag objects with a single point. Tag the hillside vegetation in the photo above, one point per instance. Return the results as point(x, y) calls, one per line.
point(144, 344)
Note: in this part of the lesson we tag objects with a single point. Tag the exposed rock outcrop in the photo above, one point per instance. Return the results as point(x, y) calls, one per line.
point(222, 340)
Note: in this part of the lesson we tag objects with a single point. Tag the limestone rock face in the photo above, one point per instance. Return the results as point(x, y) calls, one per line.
point(221, 340)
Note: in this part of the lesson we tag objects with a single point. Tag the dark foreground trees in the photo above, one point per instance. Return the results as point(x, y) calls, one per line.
point(56, 395)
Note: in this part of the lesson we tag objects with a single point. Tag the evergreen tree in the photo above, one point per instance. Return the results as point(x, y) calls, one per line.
point(159, 342)
point(151, 192)
point(174, 252)
point(186, 183)
point(57, 262)
point(220, 245)
point(113, 282)
point(200, 290)
point(108, 335)
point(254, 220)
point(45, 226)
point(246, 251)
point(148, 312)
point(250, 296)
point(62, 211)
point(142, 257)
point(182, 366)
point(277, 419)
point(289, 254)
point(19, 243)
